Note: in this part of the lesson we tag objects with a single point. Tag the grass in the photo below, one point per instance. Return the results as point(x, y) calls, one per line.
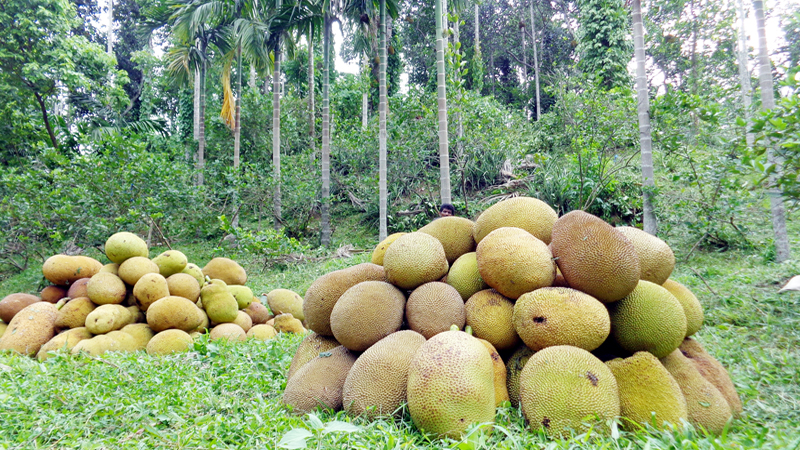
point(223, 395)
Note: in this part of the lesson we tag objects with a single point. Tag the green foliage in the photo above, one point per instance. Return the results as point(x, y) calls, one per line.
point(779, 130)
point(298, 437)
point(41, 59)
point(604, 45)
point(266, 244)
point(587, 142)
point(705, 195)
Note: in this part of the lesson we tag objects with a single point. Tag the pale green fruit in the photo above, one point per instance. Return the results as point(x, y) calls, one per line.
point(123, 245)
point(171, 262)
point(242, 294)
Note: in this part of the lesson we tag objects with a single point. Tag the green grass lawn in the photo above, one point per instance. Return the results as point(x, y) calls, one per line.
point(225, 395)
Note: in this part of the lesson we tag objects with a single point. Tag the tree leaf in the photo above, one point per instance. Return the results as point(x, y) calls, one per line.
point(339, 426)
point(295, 438)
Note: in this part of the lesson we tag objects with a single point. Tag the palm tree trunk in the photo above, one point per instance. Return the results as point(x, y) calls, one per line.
point(782, 250)
point(237, 129)
point(276, 139)
point(458, 116)
point(237, 132)
point(744, 74)
point(525, 84)
point(444, 152)
point(382, 125)
point(201, 127)
point(643, 110)
point(325, 225)
point(196, 130)
point(312, 119)
point(535, 62)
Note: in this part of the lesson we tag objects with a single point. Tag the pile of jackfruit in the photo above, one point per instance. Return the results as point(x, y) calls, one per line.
point(570, 319)
point(133, 303)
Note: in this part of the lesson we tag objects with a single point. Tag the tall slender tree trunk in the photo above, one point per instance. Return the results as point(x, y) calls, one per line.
point(458, 115)
point(110, 31)
point(276, 136)
point(643, 110)
point(525, 84)
point(312, 84)
point(237, 127)
point(325, 225)
point(383, 194)
point(477, 28)
point(535, 61)
point(237, 132)
point(444, 152)
point(744, 74)
point(201, 127)
point(196, 98)
point(782, 250)
point(364, 111)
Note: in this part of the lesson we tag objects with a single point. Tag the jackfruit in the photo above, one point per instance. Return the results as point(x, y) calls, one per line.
point(311, 346)
point(286, 323)
point(73, 313)
point(285, 301)
point(107, 318)
point(218, 302)
point(706, 405)
point(225, 269)
point(169, 341)
point(561, 316)
point(691, 305)
point(30, 329)
point(500, 381)
point(132, 269)
point(242, 294)
point(464, 276)
point(227, 331)
point(455, 235)
point(262, 332)
point(415, 259)
point(451, 384)
point(647, 392)
point(565, 387)
point(14, 303)
point(258, 313)
point(170, 262)
point(366, 313)
point(713, 371)
point(594, 257)
point(656, 260)
point(141, 333)
point(64, 341)
point(183, 285)
point(52, 293)
point(123, 245)
point(530, 214)
point(106, 288)
point(514, 262)
point(433, 308)
point(380, 249)
point(650, 319)
point(489, 313)
point(78, 288)
point(150, 288)
point(323, 293)
point(64, 269)
point(372, 390)
point(173, 312)
point(516, 362)
point(318, 384)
